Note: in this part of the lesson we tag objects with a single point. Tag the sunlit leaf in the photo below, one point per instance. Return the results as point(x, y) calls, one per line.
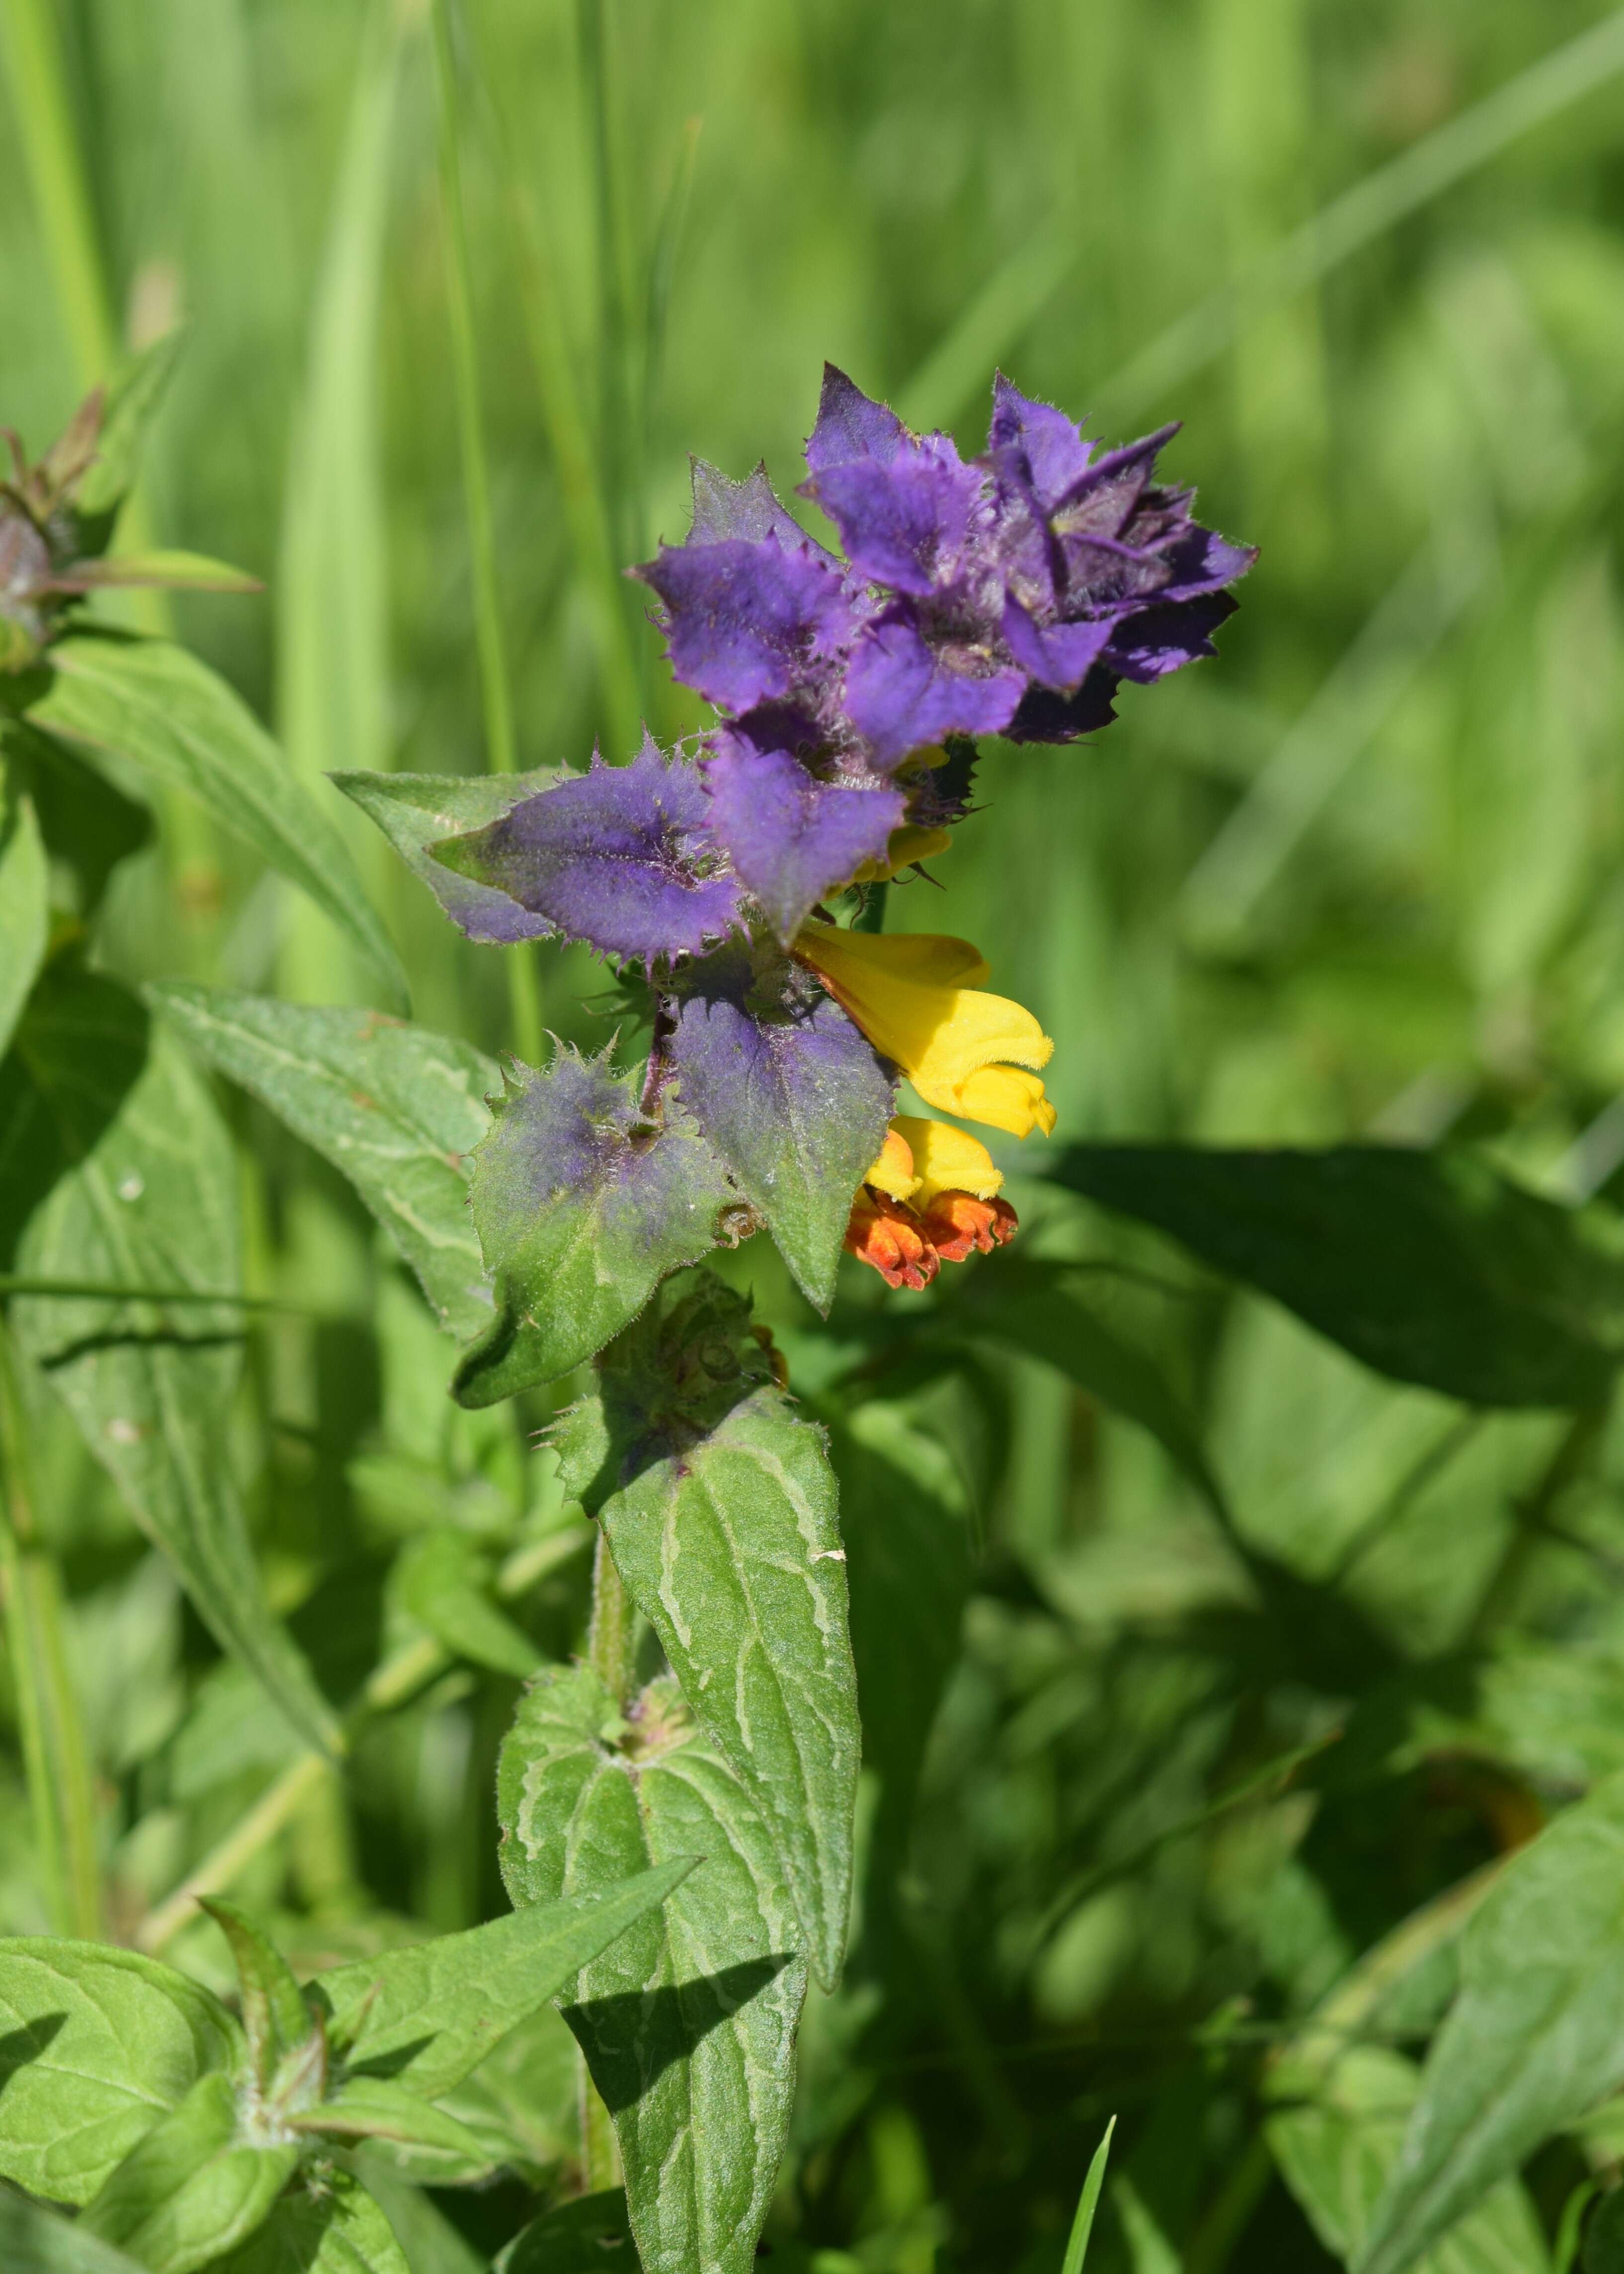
point(688, 2022)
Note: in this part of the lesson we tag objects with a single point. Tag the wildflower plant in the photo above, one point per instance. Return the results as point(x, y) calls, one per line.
point(678, 1811)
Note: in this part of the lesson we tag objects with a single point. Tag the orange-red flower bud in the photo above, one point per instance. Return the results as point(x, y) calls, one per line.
point(957, 1223)
point(885, 1233)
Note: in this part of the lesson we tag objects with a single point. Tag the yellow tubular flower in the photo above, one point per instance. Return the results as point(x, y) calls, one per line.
point(893, 1172)
point(945, 1160)
point(915, 996)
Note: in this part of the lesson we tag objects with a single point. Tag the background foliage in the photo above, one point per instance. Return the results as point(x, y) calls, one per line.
point(1205, 1655)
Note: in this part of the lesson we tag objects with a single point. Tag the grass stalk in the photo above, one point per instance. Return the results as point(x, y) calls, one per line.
point(495, 691)
point(57, 1761)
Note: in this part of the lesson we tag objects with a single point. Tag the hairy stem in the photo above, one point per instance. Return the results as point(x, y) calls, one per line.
point(56, 1762)
point(610, 1634)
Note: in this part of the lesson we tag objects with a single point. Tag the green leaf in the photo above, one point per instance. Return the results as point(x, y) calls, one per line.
point(719, 1505)
point(576, 2238)
point(164, 711)
point(132, 403)
point(583, 1206)
point(88, 825)
point(1074, 1326)
point(687, 2023)
point(416, 811)
point(95, 2045)
point(336, 2227)
point(377, 2108)
point(902, 1517)
point(275, 2016)
point(1336, 2151)
point(428, 2014)
point(397, 1109)
point(182, 572)
point(193, 2188)
point(1430, 1267)
point(36, 2241)
point(24, 906)
point(115, 1168)
point(443, 1581)
point(1532, 2043)
point(429, 2242)
point(1088, 2202)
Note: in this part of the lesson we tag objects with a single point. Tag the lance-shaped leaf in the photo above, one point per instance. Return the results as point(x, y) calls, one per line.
point(791, 1094)
point(34, 2239)
point(193, 2188)
point(790, 836)
point(719, 1506)
point(24, 907)
point(275, 2016)
point(1336, 2149)
point(1532, 2041)
point(416, 811)
point(903, 1521)
point(96, 2044)
point(115, 1168)
point(688, 2022)
point(1430, 1266)
point(128, 408)
point(335, 2227)
point(378, 2108)
point(169, 714)
point(424, 2016)
point(397, 1110)
point(621, 857)
point(583, 1206)
point(570, 2239)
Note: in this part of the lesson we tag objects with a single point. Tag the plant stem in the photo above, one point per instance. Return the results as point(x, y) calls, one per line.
point(494, 692)
point(612, 1633)
point(57, 1761)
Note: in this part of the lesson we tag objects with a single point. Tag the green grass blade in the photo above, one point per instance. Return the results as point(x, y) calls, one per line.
point(332, 662)
point(1088, 2202)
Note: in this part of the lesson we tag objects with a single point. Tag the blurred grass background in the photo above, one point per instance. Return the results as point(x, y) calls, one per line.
point(1361, 876)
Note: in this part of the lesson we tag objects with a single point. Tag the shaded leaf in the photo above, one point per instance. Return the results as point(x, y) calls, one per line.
point(909, 1567)
point(720, 1504)
point(427, 2014)
point(397, 1109)
point(335, 2228)
point(1430, 1267)
point(416, 811)
point(36, 2241)
point(583, 1206)
point(24, 906)
point(193, 2187)
point(688, 2022)
point(115, 1168)
point(1532, 2043)
point(574, 2238)
point(1337, 2149)
point(95, 2045)
point(88, 825)
point(169, 714)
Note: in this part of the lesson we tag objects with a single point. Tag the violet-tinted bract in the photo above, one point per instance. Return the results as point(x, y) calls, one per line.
point(621, 857)
point(790, 1093)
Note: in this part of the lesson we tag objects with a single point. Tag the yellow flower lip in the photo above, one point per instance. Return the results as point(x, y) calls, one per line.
point(917, 998)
